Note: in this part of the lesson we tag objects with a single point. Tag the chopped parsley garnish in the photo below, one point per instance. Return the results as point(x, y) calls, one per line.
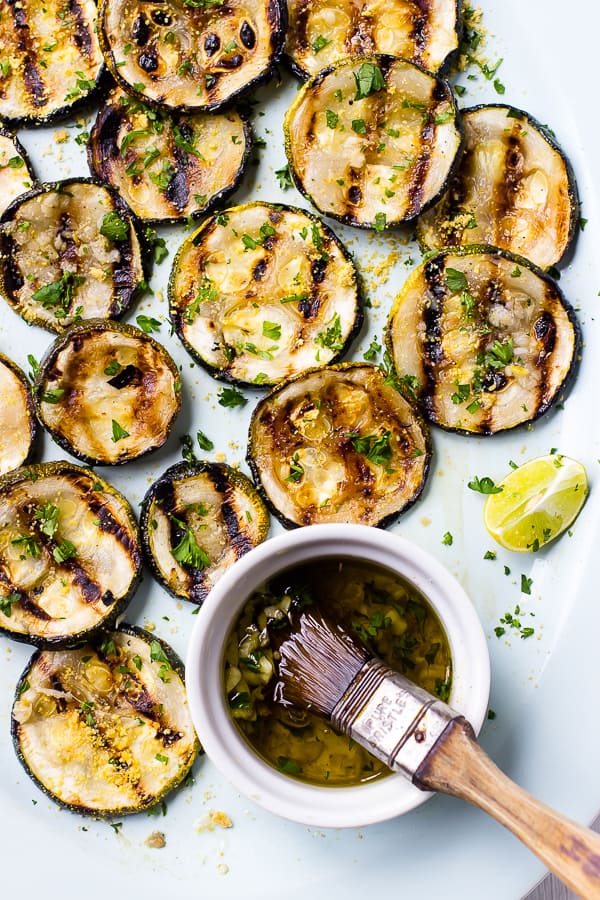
point(53, 396)
point(359, 126)
point(499, 355)
point(148, 324)
point(6, 603)
point(118, 432)
point(188, 551)
point(35, 366)
point(113, 367)
point(331, 118)
point(461, 394)
point(526, 584)
point(375, 447)
point(484, 485)
point(320, 43)
point(296, 469)
point(59, 294)
point(114, 227)
point(47, 516)
point(271, 330)
point(231, 397)
point(448, 540)
point(331, 338)
point(284, 764)
point(204, 442)
point(63, 551)
point(284, 177)
point(186, 143)
point(456, 281)
point(380, 221)
point(187, 449)
point(369, 79)
point(373, 351)
point(29, 544)
point(206, 292)
point(157, 244)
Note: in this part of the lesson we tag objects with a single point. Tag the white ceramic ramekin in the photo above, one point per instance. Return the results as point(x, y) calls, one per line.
point(275, 791)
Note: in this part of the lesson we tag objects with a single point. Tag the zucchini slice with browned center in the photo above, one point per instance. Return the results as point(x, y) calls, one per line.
point(16, 174)
point(69, 251)
point(105, 729)
point(261, 292)
point(483, 339)
point(338, 445)
point(168, 165)
point(323, 32)
point(192, 54)
point(372, 141)
point(70, 557)
point(197, 519)
point(18, 423)
point(107, 392)
point(514, 188)
point(51, 60)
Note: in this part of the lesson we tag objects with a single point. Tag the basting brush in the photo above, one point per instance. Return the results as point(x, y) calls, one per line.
point(324, 668)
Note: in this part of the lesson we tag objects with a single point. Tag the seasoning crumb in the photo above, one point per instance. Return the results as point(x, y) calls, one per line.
point(156, 840)
point(221, 819)
point(222, 869)
point(61, 136)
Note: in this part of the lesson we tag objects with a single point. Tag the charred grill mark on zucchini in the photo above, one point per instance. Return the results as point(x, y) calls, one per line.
point(373, 141)
point(168, 164)
point(261, 292)
point(338, 445)
point(505, 340)
point(204, 513)
point(201, 59)
point(69, 250)
point(100, 422)
point(325, 32)
point(18, 424)
point(53, 55)
point(514, 189)
point(119, 704)
point(62, 575)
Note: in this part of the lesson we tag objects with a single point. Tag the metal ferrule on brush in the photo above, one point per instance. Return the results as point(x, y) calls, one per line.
point(392, 717)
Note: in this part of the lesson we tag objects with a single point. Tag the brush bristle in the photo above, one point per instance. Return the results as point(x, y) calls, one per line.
point(317, 663)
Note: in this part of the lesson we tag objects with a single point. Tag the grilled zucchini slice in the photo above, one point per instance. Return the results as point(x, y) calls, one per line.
point(485, 339)
point(18, 424)
point(51, 59)
point(16, 174)
point(324, 32)
point(191, 54)
point(339, 444)
point(168, 165)
point(372, 141)
point(69, 251)
point(514, 189)
point(107, 392)
point(105, 729)
point(70, 556)
point(197, 519)
point(261, 292)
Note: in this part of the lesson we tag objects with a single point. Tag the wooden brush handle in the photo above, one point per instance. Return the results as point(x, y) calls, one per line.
point(458, 766)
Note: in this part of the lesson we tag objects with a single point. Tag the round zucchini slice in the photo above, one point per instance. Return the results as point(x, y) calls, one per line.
point(107, 392)
point(191, 54)
point(168, 165)
point(514, 189)
point(197, 519)
point(261, 292)
point(104, 729)
point(51, 59)
point(373, 141)
point(338, 445)
point(18, 424)
point(69, 251)
point(70, 555)
point(324, 32)
point(16, 174)
point(485, 339)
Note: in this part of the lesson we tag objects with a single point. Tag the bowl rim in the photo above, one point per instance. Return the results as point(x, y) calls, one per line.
point(326, 806)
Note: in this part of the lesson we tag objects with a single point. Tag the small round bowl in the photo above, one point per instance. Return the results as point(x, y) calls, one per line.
point(311, 804)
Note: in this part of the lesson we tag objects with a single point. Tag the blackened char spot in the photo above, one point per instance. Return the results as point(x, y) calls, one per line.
point(211, 43)
point(317, 270)
point(240, 541)
point(33, 609)
point(494, 381)
point(440, 91)
point(259, 269)
point(247, 36)
point(161, 17)
point(31, 74)
point(13, 279)
point(355, 194)
point(309, 307)
point(108, 598)
point(231, 62)
point(177, 190)
point(167, 736)
point(164, 496)
point(544, 331)
point(89, 589)
point(130, 375)
point(419, 35)
point(81, 35)
point(107, 147)
point(110, 525)
point(148, 61)
point(421, 168)
point(141, 700)
point(140, 31)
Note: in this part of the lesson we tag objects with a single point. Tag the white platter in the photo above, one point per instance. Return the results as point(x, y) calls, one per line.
point(546, 733)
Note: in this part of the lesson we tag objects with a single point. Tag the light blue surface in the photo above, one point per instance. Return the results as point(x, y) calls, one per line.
point(544, 690)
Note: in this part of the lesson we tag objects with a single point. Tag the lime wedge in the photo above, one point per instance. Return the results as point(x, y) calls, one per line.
point(538, 501)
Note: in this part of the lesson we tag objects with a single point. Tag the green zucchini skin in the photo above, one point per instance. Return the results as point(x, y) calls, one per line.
point(107, 162)
point(13, 181)
point(59, 469)
point(265, 416)
point(151, 354)
point(147, 801)
point(29, 411)
point(426, 398)
point(280, 217)
point(522, 132)
point(236, 529)
point(205, 90)
point(133, 263)
point(423, 177)
point(59, 68)
point(361, 35)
